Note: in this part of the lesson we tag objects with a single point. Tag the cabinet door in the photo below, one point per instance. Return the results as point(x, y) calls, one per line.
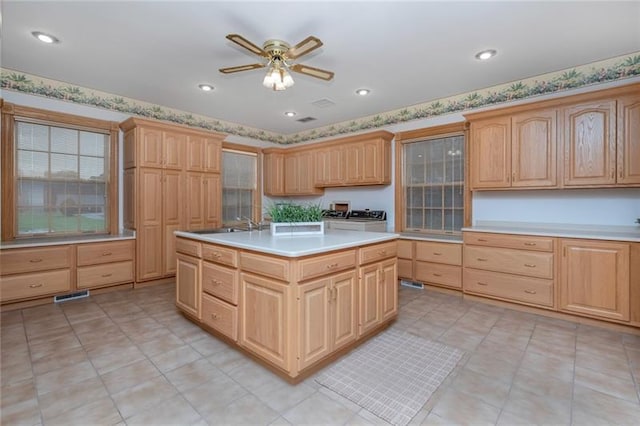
point(212, 200)
point(305, 170)
point(129, 149)
point(629, 140)
point(595, 278)
point(150, 148)
point(533, 149)
point(129, 198)
point(273, 173)
point(149, 252)
point(194, 200)
point(212, 155)
point(369, 303)
point(354, 157)
point(491, 153)
point(388, 289)
point(265, 318)
point(172, 207)
point(372, 161)
point(195, 154)
point(323, 167)
point(188, 285)
point(291, 184)
point(344, 318)
point(314, 319)
point(173, 150)
point(590, 144)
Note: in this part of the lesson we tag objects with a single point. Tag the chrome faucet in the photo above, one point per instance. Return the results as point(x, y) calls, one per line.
point(251, 224)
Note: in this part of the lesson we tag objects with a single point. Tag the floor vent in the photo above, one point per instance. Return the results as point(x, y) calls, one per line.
point(306, 119)
point(412, 284)
point(72, 296)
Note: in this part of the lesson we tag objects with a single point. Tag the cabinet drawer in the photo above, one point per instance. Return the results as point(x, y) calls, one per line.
point(531, 264)
point(188, 247)
point(525, 242)
point(322, 265)
point(220, 281)
point(378, 252)
point(405, 249)
point(524, 289)
point(219, 254)
point(16, 261)
point(220, 316)
point(107, 252)
point(265, 265)
point(448, 253)
point(437, 273)
point(31, 285)
point(405, 268)
point(102, 275)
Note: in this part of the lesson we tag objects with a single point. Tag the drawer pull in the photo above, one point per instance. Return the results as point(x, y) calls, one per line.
point(106, 275)
point(482, 240)
point(482, 259)
point(216, 254)
point(214, 316)
point(215, 282)
point(435, 253)
point(530, 244)
point(35, 260)
point(437, 275)
point(382, 252)
point(530, 265)
point(35, 286)
point(332, 266)
point(530, 291)
point(106, 253)
point(481, 283)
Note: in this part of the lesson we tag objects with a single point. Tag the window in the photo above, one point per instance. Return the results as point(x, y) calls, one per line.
point(239, 185)
point(59, 175)
point(432, 175)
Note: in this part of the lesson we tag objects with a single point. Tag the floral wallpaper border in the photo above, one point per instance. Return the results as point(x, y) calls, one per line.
point(614, 69)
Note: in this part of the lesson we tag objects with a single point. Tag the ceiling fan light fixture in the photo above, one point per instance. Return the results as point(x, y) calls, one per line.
point(486, 54)
point(277, 78)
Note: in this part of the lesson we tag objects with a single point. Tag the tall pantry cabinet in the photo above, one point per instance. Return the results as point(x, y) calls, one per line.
point(171, 182)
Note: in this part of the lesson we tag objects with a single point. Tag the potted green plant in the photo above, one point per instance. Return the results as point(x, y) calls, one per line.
point(296, 219)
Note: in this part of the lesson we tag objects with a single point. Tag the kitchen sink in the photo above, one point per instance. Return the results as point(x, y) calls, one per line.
point(218, 230)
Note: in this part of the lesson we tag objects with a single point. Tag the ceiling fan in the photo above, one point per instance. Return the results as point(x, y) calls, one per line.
point(278, 55)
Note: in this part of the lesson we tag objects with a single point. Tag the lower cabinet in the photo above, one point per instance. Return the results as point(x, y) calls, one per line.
point(326, 316)
point(188, 284)
point(378, 294)
point(594, 278)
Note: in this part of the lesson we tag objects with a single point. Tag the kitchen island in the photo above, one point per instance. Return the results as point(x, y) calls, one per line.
point(294, 303)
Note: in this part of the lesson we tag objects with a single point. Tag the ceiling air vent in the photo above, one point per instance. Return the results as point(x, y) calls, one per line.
point(323, 103)
point(306, 119)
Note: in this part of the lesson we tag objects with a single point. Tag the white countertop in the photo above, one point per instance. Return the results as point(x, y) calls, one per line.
point(594, 232)
point(58, 241)
point(293, 246)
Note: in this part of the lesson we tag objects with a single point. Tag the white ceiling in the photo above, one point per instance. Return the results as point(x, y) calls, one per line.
point(405, 52)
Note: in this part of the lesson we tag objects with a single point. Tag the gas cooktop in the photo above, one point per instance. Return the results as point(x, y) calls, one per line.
point(356, 215)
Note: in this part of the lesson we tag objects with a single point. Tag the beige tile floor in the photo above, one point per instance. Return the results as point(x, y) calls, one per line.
point(129, 357)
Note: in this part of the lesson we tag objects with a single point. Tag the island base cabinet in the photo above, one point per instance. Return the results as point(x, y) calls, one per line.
point(595, 279)
point(220, 316)
point(326, 316)
point(188, 283)
point(378, 294)
point(262, 298)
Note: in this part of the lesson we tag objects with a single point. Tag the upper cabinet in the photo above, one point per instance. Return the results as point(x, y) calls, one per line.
point(352, 161)
point(588, 140)
point(203, 154)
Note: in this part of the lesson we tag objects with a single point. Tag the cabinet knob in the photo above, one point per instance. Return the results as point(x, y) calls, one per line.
point(35, 260)
point(382, 252)
point(481, 283)
point(482, 240)
point(530, 244)
point(106, 275)
point(437, 275)
point(481, 259)
point(331, 266)
point(530, 291)
point(529, 265)
point(106, 253)
point(35, 285)
point(215, 282)
point(437, 254)
point(214, 316)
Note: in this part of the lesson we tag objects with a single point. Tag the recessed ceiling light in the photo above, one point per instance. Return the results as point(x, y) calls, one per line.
point(363, 92)
point(205, 87)
point(486, 54)
point(290, 114)
point(45, 38)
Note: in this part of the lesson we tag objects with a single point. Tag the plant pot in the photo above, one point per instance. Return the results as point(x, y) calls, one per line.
point(297, 228)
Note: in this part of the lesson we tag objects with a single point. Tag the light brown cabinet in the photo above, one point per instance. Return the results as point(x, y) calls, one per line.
point(367, 162)
point(431, 262)
point(299, 174)
point(581, 141)
point(188, 294)
point(378, 286)
point(330, 166)
point(172, 182)
point(594, 278)
point(517, 268)
point(327, 316)
point(104, 264)
point(405, 259)
point(514, 151)
point(273, 173)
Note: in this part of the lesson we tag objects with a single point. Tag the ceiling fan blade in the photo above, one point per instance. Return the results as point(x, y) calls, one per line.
point(241, 68)
point(313, 72)
point(305, 46)
point(243, 42)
